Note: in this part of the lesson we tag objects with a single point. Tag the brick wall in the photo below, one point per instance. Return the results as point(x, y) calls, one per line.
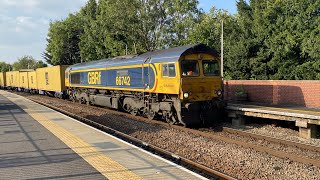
point(302, 93)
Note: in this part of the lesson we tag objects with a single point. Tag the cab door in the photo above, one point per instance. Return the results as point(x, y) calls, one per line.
point(169, 82)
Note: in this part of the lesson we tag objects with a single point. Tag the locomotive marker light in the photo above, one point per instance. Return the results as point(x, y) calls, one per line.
point(219, 92)
point(185, 95)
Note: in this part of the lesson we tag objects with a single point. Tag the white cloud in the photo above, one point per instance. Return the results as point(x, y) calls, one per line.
point(24, 25)
point(23, 19)
point(19, 3)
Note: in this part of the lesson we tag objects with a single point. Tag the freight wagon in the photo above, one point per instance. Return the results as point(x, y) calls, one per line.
point(50, 80)
point(24, 79)
point(12, 80)
point(2, 80)
point(32, 79)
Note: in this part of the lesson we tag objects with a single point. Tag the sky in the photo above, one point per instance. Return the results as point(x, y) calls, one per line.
point(24, 24)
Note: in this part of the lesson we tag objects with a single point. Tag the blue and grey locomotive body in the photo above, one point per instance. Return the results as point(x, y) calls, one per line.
point(173, 84)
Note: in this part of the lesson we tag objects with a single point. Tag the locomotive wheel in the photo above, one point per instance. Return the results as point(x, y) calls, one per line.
point(151, 115)
point(171, 120)
point(134, 111)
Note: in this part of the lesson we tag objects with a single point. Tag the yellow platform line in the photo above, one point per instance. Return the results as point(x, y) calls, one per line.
point(102, 163)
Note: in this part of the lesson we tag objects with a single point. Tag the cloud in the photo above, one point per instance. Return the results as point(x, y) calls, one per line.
point(20, 30)
point(17, 3)
point(24, 25)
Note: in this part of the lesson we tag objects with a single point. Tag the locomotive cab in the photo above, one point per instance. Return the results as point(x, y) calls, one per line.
point(200, 78)
point(201, 86)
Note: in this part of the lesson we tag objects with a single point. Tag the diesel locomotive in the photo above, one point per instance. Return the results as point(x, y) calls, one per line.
point(181, 85)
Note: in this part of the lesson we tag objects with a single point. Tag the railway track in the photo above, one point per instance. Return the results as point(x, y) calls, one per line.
point(270, 151)
point(272, 139)
point(202, 169)
point(209, 135)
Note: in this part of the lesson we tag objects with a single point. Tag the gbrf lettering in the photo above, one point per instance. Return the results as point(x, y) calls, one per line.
point(94, 78)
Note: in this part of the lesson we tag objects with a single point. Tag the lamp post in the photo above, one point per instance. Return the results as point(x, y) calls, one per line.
point(221, 49)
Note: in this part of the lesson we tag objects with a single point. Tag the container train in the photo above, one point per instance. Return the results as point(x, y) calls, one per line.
point(181, 85)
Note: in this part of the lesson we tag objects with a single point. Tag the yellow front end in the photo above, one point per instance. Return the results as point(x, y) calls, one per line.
point(200, 78)
point(200, 89)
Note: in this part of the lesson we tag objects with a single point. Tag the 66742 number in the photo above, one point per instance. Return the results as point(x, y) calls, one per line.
point(123, 80)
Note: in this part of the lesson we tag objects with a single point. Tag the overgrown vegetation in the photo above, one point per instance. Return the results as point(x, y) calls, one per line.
point(266, 40)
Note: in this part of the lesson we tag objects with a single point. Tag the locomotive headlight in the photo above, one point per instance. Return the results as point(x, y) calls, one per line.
point(185, 95)
point(219, 92)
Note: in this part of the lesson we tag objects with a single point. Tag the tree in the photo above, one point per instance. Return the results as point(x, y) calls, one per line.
point(274, 40)
point(63, 41)
point(39, 64)
point(208, 31)
point(138, 25)
point(88, 40)
point(4, 67)
point(180, 17)
point(28, 62)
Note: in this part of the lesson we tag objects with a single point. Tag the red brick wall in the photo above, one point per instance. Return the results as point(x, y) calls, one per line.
point(302, 93)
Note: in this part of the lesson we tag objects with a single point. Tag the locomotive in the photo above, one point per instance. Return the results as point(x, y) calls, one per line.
point(181, 85)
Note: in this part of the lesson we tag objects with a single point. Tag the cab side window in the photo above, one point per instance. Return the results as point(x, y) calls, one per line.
point(75, 78)
point(165, 72)
point(169, 70)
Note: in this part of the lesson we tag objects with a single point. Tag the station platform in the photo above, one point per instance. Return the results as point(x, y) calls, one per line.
point(307, 119)
point(39, 143)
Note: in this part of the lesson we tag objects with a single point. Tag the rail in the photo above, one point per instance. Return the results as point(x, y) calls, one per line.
point(273, 152)
point(211, 173)
point(272, 139)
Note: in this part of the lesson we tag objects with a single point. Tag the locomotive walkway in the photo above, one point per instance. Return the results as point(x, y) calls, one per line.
point(307, 119)
point(39, 143)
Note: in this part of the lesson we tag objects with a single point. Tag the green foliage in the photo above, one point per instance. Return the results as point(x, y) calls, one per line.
point(63, 41)
point(280, 38)
point(4, 67)
point(208, 30)
point(89, 40)
point(112, 28)
point(27, 62)
point(274, 39)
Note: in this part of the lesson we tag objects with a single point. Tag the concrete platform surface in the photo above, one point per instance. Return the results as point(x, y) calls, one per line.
point(39, 143)
point(307, 119)
point(282, 110)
